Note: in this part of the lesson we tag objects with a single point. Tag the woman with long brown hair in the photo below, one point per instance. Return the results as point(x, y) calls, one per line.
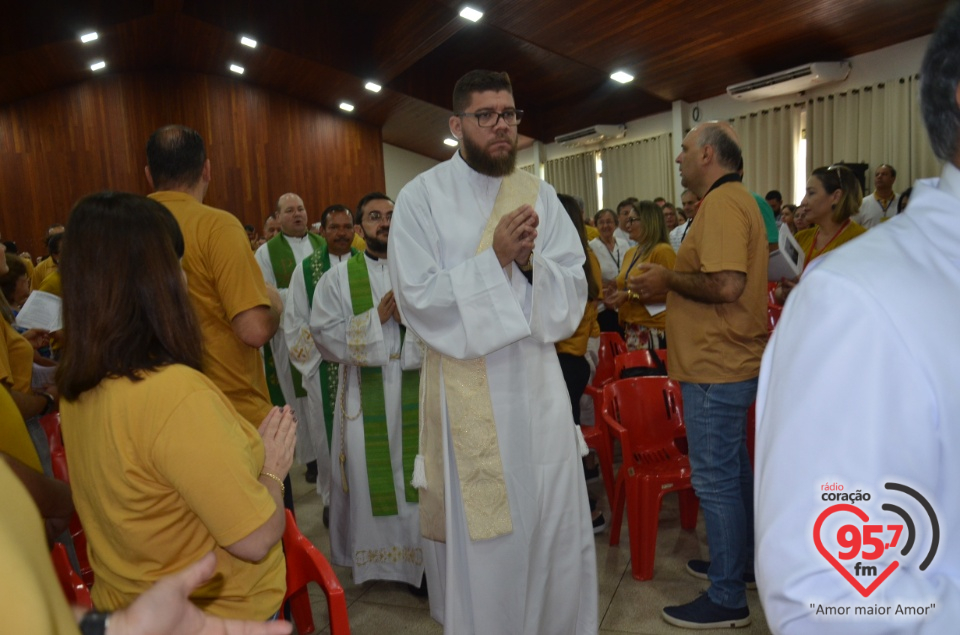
point(164, 469)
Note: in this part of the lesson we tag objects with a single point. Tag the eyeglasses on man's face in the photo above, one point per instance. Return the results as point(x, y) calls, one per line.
point(490, 118)
point(377, 217)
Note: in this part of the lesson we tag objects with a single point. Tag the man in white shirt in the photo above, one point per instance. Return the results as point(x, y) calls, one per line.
point(624, 209)
point(277, 258)
point(488, 271)
point(882, 204)
point(690, 205)
point(870, 446)
point(319, 376)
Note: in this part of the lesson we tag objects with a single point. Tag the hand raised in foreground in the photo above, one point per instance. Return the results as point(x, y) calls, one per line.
point(166, 609)
point(514, 236)
point(279, 433)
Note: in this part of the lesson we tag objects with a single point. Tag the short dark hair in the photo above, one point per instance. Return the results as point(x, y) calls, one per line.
point(726, 150)
point(840, 177)
point(478, 81)
point(16, 269)
point(631, 201)
point(372, 196)
point(939, 76)
point(333, 209)
point(773, 195)
point(53, 244)
point(150, 322)
point(893, 170)
point(248, 227)
point(175, 156)
point(11, 246)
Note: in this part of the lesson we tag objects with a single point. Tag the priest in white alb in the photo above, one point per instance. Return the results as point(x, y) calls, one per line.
point(374, 518)
point(488, 271)
point(278, 257)
point(319, 375)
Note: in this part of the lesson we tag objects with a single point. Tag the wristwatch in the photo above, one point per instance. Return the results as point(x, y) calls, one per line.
point(94, 623)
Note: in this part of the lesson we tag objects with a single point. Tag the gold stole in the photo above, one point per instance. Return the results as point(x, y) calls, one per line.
point(470, 411)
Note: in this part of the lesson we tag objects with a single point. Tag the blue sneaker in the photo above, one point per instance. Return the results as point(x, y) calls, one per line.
point(704, 613)
point(699, 569)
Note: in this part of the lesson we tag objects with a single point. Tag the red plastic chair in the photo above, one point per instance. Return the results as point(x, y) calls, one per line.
point(58, 459)
point(597, 436)
point(646, 414)
point(642, 358)
point(306, 564)
point(771, 296)
point(51, 428)
point(73, 587)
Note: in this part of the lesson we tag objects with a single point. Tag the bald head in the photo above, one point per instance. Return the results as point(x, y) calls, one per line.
point(292, 215)
point(707, 153)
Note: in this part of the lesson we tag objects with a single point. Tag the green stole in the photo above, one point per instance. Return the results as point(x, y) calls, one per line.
point(314, 266)
point(283, 262)
point(376, 440)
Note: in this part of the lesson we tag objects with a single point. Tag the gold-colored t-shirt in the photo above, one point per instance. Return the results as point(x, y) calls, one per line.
point(723, 342)
point(634, 311)
point(16, 359)
point(576, 344)
point(163, 471)
point(32, 599)
point(14, 438)
point(52, 284)
point(223, 280)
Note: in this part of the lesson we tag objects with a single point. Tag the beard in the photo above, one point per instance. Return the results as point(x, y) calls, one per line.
point(375, 244)
point(479, 160)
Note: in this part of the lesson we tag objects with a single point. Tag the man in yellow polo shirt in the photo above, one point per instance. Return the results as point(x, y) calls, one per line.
point(237, 311)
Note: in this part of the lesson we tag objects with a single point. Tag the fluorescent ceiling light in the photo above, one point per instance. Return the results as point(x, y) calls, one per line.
point(96, 66)
point(373, 87)
point(451, 142)
point(248, 41)
point(469, 13)
point(236, 69)
point(622, 76)
point(89, 37)
point(348, 107)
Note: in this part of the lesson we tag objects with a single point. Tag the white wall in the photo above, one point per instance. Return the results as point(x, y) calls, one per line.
point(400, 166)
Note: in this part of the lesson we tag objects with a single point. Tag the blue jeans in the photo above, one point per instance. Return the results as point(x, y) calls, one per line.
point(716, 420)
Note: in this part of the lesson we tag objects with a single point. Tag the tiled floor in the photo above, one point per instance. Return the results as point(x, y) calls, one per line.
point(626, 605)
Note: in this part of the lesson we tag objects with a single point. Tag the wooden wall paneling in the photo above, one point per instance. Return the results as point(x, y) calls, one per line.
point(61, 145)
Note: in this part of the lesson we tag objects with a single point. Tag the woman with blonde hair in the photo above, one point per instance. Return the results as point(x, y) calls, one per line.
point(832, 197)
point(644, 320)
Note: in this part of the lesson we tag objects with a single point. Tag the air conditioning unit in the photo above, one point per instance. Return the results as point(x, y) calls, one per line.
point(591, 135)
point(794, 80)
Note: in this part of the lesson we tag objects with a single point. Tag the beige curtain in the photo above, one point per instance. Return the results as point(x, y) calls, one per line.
point(872, 125)
point(643, 169)
point(768, 140)
point(575, 175)
point(532, 169)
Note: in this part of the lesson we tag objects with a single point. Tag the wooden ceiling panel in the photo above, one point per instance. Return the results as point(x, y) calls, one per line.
point(559, 53)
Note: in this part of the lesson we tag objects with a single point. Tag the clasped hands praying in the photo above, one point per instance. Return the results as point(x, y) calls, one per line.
point(514, 236)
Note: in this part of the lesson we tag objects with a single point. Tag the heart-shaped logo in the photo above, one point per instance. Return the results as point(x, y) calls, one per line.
point(864, 591)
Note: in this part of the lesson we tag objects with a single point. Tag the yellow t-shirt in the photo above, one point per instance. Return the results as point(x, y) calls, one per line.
point(591, 231)
point(576, 344)
point(721, 343)
point(359, 243)
point(635, 311)
point(223, 280)
point(165, 470)
point(52, 284)
point(14, 438)
point(16, 359)
point(32, 599)
point(30, 268)
point(42, 270)
point(806, 237)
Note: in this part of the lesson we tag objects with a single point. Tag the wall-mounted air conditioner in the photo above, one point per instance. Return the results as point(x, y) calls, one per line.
point(591, 135)
point(793, 80)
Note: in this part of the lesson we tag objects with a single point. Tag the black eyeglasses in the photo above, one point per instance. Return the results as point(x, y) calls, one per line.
point(490, 118)
point(631, 220)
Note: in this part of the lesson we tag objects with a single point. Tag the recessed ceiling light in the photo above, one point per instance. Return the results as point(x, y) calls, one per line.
point(469, 13)
point(89, 37)
point(248, 41)
point(348, 107)
point(236, 69)
point(453, 143)
point(622, 76)
point(373, 87)
point(96, 66)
